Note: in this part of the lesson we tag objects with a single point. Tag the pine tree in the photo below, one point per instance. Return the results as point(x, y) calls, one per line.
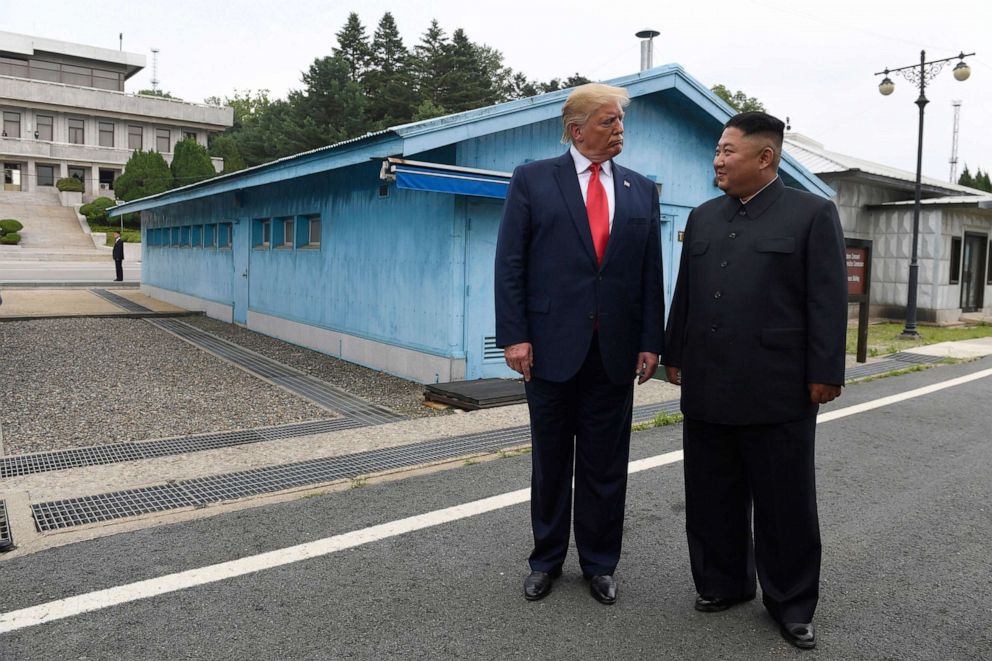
point(389, 83)
point(353, 47)
point(431, 65)
point(145, 173)
point(966, 179)
point(982, 182)
point(329, 110)
point(190, 163)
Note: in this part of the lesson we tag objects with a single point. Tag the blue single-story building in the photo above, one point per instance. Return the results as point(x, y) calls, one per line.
point(379, 250)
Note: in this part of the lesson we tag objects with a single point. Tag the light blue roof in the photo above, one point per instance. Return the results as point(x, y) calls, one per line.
point(418, 137)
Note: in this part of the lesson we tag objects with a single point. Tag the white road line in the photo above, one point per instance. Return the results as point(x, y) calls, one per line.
point(84, 603)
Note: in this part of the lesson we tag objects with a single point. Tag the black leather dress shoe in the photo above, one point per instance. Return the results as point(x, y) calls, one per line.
point(538, 584)
point(800, 634)
point(717, 604)
point(603, 589)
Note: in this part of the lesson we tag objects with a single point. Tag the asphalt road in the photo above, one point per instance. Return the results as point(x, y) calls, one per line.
point(905, 509)
point(31, 271)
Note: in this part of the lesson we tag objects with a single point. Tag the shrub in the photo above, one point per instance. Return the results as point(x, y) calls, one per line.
point(69, 185)
point(10, 238)
point(96, 211)
point(190, 163)
point(10, 225)
point(145, 173)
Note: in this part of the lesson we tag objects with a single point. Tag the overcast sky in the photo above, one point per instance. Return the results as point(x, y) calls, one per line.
point(812, 61)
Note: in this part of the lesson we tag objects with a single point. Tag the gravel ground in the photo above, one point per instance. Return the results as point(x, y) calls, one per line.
point(404, 397)
point(76, 382)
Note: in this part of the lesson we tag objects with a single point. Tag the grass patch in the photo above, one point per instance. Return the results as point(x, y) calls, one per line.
point(506, 454)
point(884, 339)
point(359, 482)
point(660, 420)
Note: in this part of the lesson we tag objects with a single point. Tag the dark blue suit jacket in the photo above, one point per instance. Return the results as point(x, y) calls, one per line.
point(551, 292)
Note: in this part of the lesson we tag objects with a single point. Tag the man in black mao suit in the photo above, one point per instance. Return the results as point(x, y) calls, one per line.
point(756, 339)
point(579, 312)
point(118, 256)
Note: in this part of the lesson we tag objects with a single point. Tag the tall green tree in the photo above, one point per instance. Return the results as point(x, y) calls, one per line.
point(738, 100)
point(190, 163)
point(353, 47)
point(145, 173)
point(966, 179)
point(331, 108)
point(982, 182)
point(390, 84)
point(431, 65)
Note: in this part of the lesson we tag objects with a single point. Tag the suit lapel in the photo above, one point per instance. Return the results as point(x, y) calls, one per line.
point(568, 184)
point(621, 206)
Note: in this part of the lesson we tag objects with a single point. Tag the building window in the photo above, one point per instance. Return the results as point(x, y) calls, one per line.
point(106, 134)
point(45, 125)
point(11, 66)
point(163, 140)
point(261, 233)
point(41, 70)
point(955, 260)
point(76, 131)
point(224, 232)
point(45, 174)
point(12, 124)
point(73, 75)
point(309, 232)
point(133, 136)
point(196, 239)
point(189, 135)
point(209, 236)
point(287, 233)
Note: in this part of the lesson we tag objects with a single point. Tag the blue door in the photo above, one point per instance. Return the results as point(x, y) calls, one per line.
point(673, 219)
point(241, 247)
point(482, 359)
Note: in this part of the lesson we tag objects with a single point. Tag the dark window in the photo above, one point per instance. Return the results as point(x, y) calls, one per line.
point(106, 134)
point(12, 124)
point(76, 131)
point(72, 75)
point(955, 260)
point(209, 236)
point(134, 136)
point(224, 235)
point(10, 66)
point(107, 80)
point(45, 124)
point(77, 172)
point(187, 135)
point(313, 231)
point(162, 140)
point(45, 174)
point(45, 71)
point(988, 269)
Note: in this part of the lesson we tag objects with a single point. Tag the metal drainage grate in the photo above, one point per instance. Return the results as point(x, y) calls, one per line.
point(916, 358)
point(133, 451)
point(293, 380)
point(198, 492)
point(650, 411)
point(6, 538)
point(120, 301)
point(871, 369)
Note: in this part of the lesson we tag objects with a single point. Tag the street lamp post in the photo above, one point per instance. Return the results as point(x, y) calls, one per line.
point(919, 75)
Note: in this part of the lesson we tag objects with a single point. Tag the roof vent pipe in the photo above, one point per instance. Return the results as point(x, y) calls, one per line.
point(647, 47)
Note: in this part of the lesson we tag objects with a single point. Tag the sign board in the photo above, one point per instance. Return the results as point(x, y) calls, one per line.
point(858, 257)
point(857, 270)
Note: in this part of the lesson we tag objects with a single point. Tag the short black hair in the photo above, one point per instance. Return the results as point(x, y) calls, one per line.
point(750, 123)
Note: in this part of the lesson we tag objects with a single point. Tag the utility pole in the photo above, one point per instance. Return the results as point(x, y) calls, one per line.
point(154, 69)
point(954, 141)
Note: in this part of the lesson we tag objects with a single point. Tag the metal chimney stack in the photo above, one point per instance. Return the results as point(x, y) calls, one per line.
point(647, 47)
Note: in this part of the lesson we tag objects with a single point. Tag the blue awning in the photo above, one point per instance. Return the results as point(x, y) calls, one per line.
point(438, 178)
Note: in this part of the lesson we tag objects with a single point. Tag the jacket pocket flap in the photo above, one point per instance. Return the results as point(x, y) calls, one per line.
point(783, 244)
point(698, 247)
point(783, 338)
point(538, 304)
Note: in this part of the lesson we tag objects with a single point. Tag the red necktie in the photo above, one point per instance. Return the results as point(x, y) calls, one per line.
point(598, 210)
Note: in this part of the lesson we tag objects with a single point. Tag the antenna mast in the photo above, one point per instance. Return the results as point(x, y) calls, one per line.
point(154, 69)
point(954, 141)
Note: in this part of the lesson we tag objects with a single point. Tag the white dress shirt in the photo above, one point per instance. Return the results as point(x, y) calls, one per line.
point(605, 177)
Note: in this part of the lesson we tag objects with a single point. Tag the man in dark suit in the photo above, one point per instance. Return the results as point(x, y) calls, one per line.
point(756, 338)
point(119, 256)
point(580, 314)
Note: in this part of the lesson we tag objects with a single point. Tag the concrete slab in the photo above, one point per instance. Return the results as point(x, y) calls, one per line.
point(53, 302)
point(961, 349)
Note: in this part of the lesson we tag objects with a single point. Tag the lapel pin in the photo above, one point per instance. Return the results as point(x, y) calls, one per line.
point(626, 184)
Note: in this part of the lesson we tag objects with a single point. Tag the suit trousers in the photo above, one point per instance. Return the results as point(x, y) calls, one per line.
point(585, 422)
point(119, 268)
point(730, 469)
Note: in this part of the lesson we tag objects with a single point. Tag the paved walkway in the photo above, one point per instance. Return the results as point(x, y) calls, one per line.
point(468, 436)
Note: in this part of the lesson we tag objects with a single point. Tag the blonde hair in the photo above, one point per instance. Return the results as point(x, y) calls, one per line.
point(584, 101)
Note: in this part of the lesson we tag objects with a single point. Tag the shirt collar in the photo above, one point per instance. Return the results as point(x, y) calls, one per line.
point(760, 190)
point(582, 163)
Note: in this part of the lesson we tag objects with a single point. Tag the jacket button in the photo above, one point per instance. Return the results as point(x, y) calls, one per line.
point(714, 327)
point(717, 294)
point(742, 213)
point(592, 316)
point(723, 264)
point(732, 235)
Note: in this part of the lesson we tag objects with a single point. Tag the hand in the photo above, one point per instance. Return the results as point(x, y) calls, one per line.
point(520, 358)
point(674, 375)
point(647, 363)
point(821, 393)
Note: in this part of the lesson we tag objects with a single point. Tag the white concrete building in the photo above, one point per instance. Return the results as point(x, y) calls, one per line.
point(65, 114)
point(876, 202)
